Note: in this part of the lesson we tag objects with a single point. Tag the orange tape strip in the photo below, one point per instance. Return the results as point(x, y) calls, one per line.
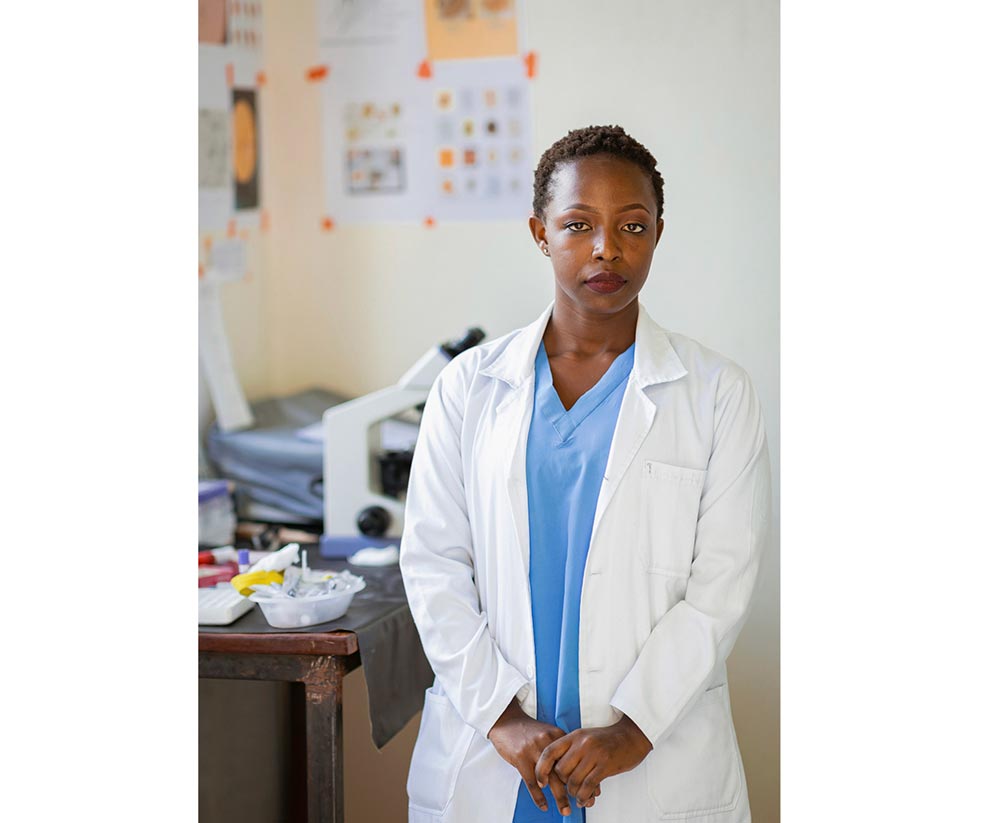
point(231, 229)
point(430, 222)
point(201, 271)
point(317, 73)
point(424, 70)
point(230, 75)
point(265, 220)
point(531, 63)
point(327, 224)
point(261, 78)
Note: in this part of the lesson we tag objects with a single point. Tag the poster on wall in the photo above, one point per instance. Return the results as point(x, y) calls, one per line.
point(372, 101)
point(481, 136)
point(230, 42)
point(246, 152)
point(426, 110)
point(464, 29)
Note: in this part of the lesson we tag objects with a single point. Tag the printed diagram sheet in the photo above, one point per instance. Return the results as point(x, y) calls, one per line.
point(482, 137)
point(372, 97)
point(416, 127)
point(230, 42)
point(246, 152)
point(230, 35)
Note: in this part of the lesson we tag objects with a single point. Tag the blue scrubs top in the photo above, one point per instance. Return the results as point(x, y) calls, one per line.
point(567, 453)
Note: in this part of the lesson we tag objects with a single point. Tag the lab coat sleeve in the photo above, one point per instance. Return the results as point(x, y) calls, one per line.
point(436, 561)
point(678, 658)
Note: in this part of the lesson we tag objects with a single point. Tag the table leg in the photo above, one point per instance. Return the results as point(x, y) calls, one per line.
point(320, 678)
point(325, 741)
point(297, 784)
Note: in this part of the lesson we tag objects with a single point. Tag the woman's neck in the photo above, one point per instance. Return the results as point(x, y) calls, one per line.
point(580, 335)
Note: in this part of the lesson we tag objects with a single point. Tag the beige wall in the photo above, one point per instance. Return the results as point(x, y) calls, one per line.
point(697, 82)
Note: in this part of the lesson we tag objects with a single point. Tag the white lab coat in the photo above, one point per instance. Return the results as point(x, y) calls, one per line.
point(680, 524)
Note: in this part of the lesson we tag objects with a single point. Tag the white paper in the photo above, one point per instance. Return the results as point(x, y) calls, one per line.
point(362, 22)
point(375, 135)
point(227, 260)
point(481, 115)
point(217, 204)
point(231, 409)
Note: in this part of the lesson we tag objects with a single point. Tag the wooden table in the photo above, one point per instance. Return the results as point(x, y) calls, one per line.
point(315, 663)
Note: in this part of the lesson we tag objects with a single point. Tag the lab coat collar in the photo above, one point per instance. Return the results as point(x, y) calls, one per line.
point(656, 361)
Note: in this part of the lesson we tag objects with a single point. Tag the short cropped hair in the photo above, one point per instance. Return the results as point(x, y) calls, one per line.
point(611, 140)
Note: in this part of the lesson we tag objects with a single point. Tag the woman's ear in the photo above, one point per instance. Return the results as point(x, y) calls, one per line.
point(659, 231)
point(537, 228)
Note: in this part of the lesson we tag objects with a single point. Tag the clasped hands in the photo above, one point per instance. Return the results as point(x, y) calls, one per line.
point(573, 764)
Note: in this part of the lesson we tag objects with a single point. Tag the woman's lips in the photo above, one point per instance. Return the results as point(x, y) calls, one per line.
point(605, 283)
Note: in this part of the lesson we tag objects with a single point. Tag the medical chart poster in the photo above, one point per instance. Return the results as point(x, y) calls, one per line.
point(371, 109)
point(375, 134)
point(229, 115)
point(481, 128)
point(407, 138)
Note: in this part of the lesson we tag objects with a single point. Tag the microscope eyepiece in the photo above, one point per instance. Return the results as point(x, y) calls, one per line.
point(473, 337)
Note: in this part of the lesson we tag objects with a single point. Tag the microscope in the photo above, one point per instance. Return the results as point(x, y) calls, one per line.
point(364, 484)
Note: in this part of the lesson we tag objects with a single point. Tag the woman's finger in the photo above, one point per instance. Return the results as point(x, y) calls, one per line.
point(558, 789)
point(528, 776)
point(584, 787)
point(549, 757)
point(593, 798)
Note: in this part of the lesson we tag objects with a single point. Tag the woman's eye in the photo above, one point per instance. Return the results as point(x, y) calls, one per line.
point(576, 226)
point(635, 228)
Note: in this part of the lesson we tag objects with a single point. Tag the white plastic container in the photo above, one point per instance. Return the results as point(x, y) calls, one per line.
point(296, 612)
point(216, 516)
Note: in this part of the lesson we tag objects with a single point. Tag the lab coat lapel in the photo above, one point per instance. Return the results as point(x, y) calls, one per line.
point(655, 362)
point(516, 367)
point(514, 419)
point(635, 419)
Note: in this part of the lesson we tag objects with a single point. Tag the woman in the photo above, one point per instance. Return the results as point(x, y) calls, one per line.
point(586, 509)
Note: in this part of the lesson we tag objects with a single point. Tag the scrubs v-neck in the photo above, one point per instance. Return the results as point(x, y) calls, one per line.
point(567, 453)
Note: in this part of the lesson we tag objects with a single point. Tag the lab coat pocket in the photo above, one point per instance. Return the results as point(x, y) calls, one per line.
point(695, 770)
point(443, 741)
point(668, 516)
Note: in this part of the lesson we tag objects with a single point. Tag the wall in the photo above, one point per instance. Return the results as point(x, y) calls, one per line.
point(697, 82)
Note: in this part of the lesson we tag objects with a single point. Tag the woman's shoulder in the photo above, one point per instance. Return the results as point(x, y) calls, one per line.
point(463, 369)
point(458, 377)
point(700, 359)
point(703, 365)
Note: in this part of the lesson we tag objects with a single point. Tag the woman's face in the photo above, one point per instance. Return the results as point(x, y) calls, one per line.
point(600, 230)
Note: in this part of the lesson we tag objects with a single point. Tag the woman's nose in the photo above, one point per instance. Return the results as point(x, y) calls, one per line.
point(605, 247)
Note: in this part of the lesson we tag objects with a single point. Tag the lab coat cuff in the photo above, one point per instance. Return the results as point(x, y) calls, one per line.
point(498, 706)
point(646, 722)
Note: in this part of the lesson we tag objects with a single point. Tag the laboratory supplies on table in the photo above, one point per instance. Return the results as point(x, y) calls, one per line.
point(296, 602)
point(216, 515)
point(268, 569)
point(216, 557)
point(220, 607)
point(244, 583)
point(375, 556)
point(211, 576)
point(279, 560)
